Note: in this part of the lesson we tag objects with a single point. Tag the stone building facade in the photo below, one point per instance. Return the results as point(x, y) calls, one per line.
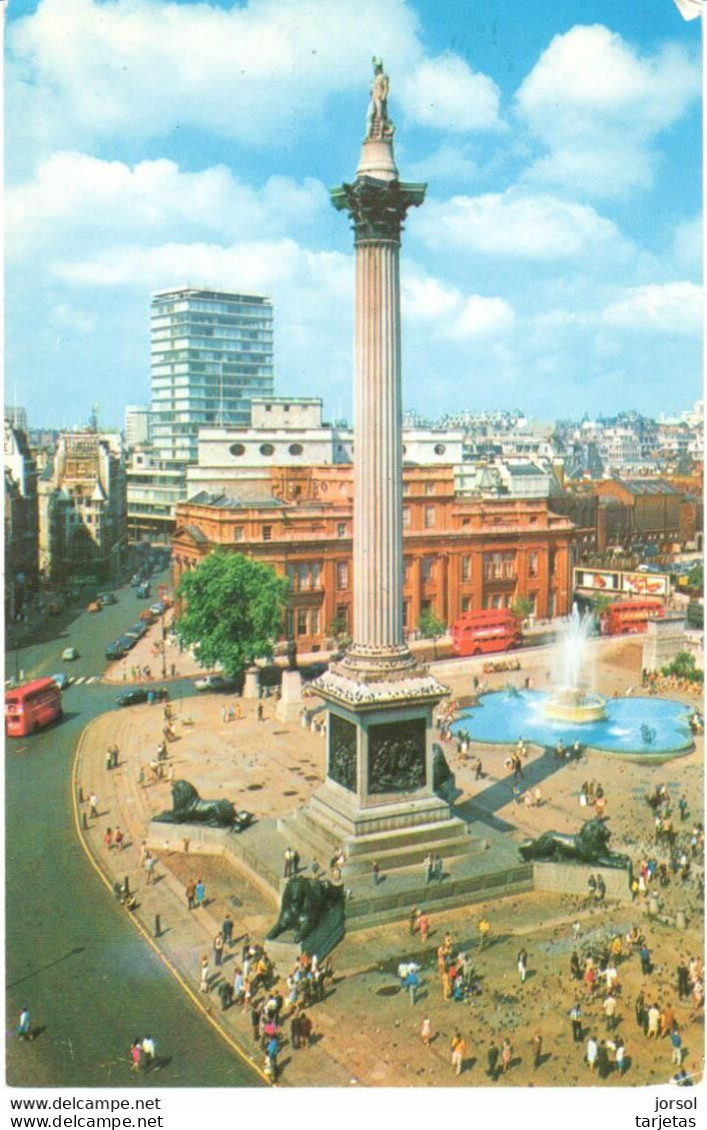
point(460, 552)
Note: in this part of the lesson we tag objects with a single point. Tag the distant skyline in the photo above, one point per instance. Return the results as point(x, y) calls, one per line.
point(555, 265)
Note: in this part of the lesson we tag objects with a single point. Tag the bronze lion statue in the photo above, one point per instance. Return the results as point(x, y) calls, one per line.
point(189, 808)
point(304, 903)
point(589, 845)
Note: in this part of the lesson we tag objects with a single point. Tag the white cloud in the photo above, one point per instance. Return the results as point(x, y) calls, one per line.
point(446, 94)
point(75, 196)
point(448, 313)
point(673, 308)
point(518, 225)
point(82, 69)
point(598, 106)
point(65, 317)
point(688, 245)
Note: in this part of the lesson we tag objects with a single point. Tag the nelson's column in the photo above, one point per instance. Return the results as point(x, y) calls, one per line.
point(378, 798)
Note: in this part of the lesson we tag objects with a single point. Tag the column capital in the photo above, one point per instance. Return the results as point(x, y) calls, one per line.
point(377, 207)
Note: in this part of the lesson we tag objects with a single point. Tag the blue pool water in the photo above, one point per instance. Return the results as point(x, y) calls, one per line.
point(650, 727)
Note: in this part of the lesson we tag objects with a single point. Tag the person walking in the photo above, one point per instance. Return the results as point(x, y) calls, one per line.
point(426, 1031)
point(492, 1054)
point(484, 931)
point(413, 982)
point(190, 892)
point(148, 1050)
point(522, 964)
point(438, 867)
point(620, 1055)
point(653, 1021)
point(602, 1059)
point(150, 865)
point(136, 1056)
point(428, 865)
point(458, 1047)
point(227, 930)
point(118, 838)
point(537, 1046)
point(287, 858)
point(93, 806)
point(108, 838)
point(204, 975)
point(375, 872)
point(199, 892)
point(218, 943)
point(424, 926)
point(676, 1046)
point(414, 921)
point(506, 1055)
point(592, 1049)
point(576, 1018)
point(609, 1006)
point(23, 1029)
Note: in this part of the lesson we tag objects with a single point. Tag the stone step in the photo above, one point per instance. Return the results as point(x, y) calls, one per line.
point(403, 847)
point(376, 908)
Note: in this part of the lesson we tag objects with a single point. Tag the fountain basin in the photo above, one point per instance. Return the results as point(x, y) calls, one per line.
point(575, 705)
point(501, 719)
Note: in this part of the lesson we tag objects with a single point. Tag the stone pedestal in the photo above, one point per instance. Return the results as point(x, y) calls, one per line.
point(664, 639)
point(573, 878)
point(289, 707)
point(251, 688)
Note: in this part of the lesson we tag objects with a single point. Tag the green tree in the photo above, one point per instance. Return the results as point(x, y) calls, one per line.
point(232, 610)
point(521, 607)
point(684, 666)
point(431, 627)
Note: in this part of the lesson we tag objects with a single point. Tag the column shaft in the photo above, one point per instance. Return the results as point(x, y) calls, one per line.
point(378, 546)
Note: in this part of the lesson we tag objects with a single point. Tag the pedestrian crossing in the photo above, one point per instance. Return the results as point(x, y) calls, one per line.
point(84, 680)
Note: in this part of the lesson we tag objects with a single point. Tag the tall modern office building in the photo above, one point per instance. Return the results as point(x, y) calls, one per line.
point(211, 352)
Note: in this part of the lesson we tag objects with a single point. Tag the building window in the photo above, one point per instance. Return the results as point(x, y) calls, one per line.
point(267, 533)
point(267, 449)
point(406, 488)
point(407, 566)
point(551, 562)
point(301, 621)
point(406, 615)
point(342, 619)
point(532, 564)
point(430, 517)
point(295, 449)
point(238, 533)
point(429, 488)
point(289, 623)
point(341, 529)
point(466, 567)
point(427, 569)
point(499, 567)
point(342, 575)
point(533, 602)
point(406, 517)
point(466, 604)
point(237, 449)
point(314, 621)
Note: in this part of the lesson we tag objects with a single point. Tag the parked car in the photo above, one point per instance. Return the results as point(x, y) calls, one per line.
point(126, 642)
point(139, 628)
point(130, 635)
point(147, 617)
point(214, 683)
point(94, 606)
point(61, 680)
point(107, 598)
point(142, 590)
point(158, 608)
point(70, 653)
point(139, 694)
point(115, 650)
point(135, 580)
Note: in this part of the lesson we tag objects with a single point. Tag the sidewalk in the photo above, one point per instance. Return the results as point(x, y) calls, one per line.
point(366, 1030)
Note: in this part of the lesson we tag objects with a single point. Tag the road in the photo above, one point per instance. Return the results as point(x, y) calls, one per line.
point(91, 982)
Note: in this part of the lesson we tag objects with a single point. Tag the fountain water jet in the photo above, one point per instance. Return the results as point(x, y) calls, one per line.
point(572, 701)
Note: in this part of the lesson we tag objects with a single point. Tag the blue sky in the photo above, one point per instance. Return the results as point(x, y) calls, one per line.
point(555, 264)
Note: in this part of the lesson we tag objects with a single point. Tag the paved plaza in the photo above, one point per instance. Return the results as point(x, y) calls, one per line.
point(366, 1031)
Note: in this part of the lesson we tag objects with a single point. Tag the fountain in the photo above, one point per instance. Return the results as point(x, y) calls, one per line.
point(572, 701)
point(645, 728)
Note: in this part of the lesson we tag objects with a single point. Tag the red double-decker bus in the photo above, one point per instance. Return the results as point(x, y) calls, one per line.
point(32, 706)
point(493, 629)
point(628, 616)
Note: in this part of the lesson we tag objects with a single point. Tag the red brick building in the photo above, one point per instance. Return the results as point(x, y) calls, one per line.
point(461, 552)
